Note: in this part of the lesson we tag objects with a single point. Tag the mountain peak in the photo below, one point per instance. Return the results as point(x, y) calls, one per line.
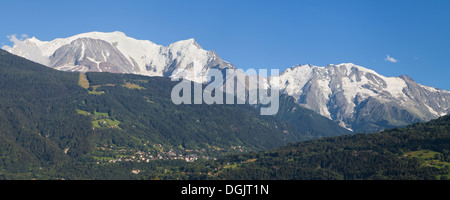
point(348, 92)
point(302, 66)
point(185, 44)
point(97, 34)
point(191, 40)
point(406, 77)
point(134, 56)
point(351, 66)
point(119, 33)
point(33, 40)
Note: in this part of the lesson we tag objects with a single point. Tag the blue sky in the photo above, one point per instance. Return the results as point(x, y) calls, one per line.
point(264, 34)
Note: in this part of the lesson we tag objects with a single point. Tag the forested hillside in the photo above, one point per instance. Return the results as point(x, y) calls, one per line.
point(416, 152)
point(419, 151)
point(37, 116)
point(55, 121)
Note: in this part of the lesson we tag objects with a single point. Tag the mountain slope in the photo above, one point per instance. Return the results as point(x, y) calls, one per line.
point(37, 116)
point(52, 118)
point(131, 55)
point(361, 99)
point(358, 98)
point(419, 151)
point(87, 54)
point(307, 121)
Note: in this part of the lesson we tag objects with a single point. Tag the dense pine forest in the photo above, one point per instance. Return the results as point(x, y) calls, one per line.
point(419, 151)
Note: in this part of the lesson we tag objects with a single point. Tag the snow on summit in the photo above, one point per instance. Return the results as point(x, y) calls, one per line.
point(143, 56)
point(346, 93)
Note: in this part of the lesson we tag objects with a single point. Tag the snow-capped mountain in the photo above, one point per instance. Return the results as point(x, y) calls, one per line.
point(116, 52)
point(361, 99)
point(358, 98)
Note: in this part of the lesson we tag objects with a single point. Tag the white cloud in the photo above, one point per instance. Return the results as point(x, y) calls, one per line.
point(390, 59)
point(22, 48)
point(7, 48)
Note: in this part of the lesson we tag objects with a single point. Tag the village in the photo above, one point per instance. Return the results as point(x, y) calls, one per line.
point(188, 155)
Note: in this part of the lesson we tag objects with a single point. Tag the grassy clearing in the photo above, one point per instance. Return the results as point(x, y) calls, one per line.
point(232, 166)
point(100, 115)
point(100, 120)
point(106, 123)
point(94, 90)
point(148, 100)
point(424, 154)
point(82, 112)
point(132, 86)
point(83, 81)
point(95, 87)
point(430, 158)
point(250, 160)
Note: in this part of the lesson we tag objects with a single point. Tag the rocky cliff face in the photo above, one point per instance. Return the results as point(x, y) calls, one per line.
point(86, 54)
point(115, 52)
point(361, 99)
